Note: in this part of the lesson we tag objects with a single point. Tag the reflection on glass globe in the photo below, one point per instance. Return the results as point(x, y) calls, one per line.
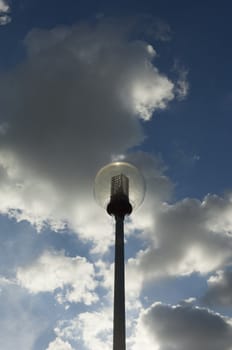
point(119, 178)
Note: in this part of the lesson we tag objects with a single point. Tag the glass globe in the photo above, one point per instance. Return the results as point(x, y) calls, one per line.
point(130, 178)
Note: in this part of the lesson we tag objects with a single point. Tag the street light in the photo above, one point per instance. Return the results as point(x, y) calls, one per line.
point(119, 188)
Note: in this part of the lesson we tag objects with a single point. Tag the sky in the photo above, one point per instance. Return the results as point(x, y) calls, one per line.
point(85, 83)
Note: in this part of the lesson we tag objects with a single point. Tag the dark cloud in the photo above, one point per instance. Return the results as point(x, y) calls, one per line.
point(186, 327)
point(188, 236)
point(219, 289)
point(76, 101)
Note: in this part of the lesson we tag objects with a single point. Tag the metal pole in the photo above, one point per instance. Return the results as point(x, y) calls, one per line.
point(119, 336)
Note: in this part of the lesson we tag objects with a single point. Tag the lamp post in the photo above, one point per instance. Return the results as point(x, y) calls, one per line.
point(119, 188)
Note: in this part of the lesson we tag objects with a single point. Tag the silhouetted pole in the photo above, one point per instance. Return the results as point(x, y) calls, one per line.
point(119, 335)
point(117, 187)
point(119, 206)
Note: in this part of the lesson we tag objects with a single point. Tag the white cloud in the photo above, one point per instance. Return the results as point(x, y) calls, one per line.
point(166, 327)
point(133, 285)
point(4, 13)
point(80, 91)
point(93, 329)
point(55, 272)
point(59, 344)
point(150, 93)
point(189, 300)
point(4, 6)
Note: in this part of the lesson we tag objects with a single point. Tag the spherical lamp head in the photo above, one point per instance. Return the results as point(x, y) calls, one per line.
point(119, 188)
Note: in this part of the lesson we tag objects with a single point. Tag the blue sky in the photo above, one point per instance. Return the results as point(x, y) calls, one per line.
point(83, 83)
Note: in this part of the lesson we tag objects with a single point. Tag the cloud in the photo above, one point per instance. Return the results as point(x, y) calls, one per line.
point(182, 83)
point(185, 237)
point(4, 6)
point(183, 327)
point(159, 189)
point(63, 111)
point(161, 30)
point(159, 327)
point(4, 19)
point(23, 320)
point(56, 273)
point(219, 289)
point(59, 344)
point(5, 281)
point(4, 12)
point(94, 329)
point(133, 285)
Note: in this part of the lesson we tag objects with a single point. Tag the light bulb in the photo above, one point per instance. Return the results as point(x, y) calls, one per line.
point(119, 179)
